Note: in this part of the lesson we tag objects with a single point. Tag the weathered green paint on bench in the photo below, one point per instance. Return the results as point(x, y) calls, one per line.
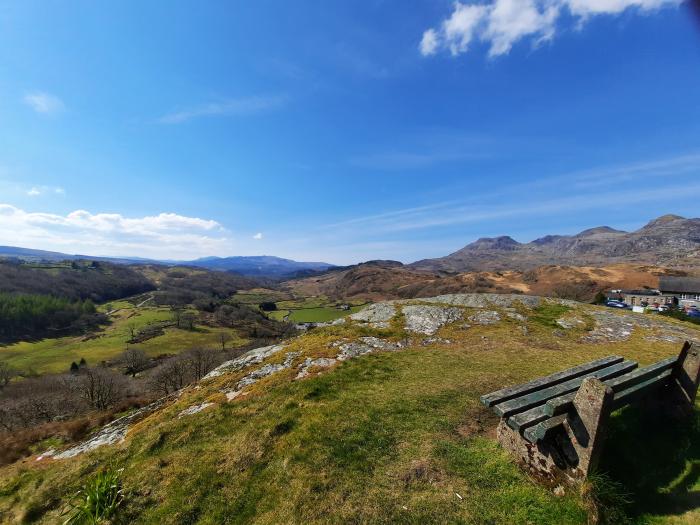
point(541, 430)
point(562, 404)
point(528, 418)
point(539, 397)
point(625, 397)
point(509, 393)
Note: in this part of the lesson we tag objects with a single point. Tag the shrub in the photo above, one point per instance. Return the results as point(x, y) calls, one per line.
point(97, 501)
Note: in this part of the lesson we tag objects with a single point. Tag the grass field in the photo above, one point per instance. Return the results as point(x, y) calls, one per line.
point(56, 355)
point(395, 437)
point(311, 310)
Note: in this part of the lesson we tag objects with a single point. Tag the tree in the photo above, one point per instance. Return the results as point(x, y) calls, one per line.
point(268, 306)
point(224, 338)
point(199, 362)
point(187, 320)
point(177, 315)
point(135, 360)
point(74, 368)
point(170, 376)
point(132, 330)
point(101, 387)
point(7, 373)
point(599, 298)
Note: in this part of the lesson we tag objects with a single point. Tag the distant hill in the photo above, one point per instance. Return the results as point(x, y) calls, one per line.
point(670, 240)
point(260, 266)
point(252, 266)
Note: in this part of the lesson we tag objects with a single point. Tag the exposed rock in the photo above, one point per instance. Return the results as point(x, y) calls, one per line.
point(485, 317)
point(115, 431)
point(377, 315)
point(321, 362)
point(618, 326)
point(248, 359)
point(194, 409)
point(568, 323)
point(516, 316)
point(350, 350)
point(428, 319)
point(435, 340)
point(485, 300)
point(264, 371)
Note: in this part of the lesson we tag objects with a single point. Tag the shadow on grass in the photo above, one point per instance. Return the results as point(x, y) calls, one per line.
point(656, 459)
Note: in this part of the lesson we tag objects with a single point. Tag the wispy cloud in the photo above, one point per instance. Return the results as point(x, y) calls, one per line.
point(601, 188)
point(35, 191)
point(502, 23)
point(227, 108)
point(166, 235)
point(258, 236)
point(44, 103)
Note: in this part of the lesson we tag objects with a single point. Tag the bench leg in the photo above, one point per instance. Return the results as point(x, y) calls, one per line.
point(686, 374)
point(586, 425)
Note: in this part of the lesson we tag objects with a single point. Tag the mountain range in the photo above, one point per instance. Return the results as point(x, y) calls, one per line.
point(251, 266)
point(670, 240)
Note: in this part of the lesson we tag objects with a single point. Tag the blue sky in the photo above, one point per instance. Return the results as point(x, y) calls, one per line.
point(341, 131)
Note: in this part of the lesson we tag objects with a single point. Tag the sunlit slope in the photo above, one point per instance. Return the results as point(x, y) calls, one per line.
point(374, 420)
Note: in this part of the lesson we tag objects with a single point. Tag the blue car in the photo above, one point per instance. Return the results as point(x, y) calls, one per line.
point(616, 304)
point(694, 312)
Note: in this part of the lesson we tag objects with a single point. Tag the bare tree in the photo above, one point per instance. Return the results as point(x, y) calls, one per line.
point(132, 330)
point(224, 337)
point(101, 387)
point(6, 374)
point(135, 360)
point(170, 376)
point(199, 362)
point(177, 315)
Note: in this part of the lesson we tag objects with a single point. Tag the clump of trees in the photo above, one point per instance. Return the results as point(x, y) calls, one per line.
point(39, 315)
point(206, 290)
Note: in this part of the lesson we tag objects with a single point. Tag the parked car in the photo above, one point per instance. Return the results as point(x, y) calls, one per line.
point(694, 312)
point(616, 304)
point(664, 308)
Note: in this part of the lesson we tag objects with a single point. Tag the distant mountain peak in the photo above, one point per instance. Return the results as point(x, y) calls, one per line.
point(664, 219)
point(599, 229)
point(504, 242)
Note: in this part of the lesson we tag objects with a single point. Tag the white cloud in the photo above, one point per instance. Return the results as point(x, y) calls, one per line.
point(35, 191)
point(502, 23)
point(258, 236)
point(229, 108)
point(167, 235)
point(44, 103)
point(429, 42)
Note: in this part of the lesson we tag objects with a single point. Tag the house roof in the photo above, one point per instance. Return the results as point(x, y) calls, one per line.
point(679, 284)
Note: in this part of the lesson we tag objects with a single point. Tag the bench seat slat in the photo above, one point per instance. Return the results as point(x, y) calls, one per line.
point(512, 392)
point(541, 430)
point(562, 404)
point(625, 397)
point(526, 419)
point(540, 397)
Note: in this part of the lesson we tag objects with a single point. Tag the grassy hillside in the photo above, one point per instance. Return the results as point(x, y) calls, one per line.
point(56, 354)
point(394, 436)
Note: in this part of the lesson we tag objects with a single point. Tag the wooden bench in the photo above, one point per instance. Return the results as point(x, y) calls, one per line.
point(555, 425)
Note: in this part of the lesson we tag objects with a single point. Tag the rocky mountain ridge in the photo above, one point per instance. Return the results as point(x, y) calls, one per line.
point(669, 240)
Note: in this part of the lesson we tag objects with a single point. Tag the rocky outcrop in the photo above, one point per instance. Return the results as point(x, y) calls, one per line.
point(428, 319)
point(376, 315)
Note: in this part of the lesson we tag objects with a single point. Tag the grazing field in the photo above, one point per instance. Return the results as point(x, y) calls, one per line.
point(53, 355)
point(317, 309)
